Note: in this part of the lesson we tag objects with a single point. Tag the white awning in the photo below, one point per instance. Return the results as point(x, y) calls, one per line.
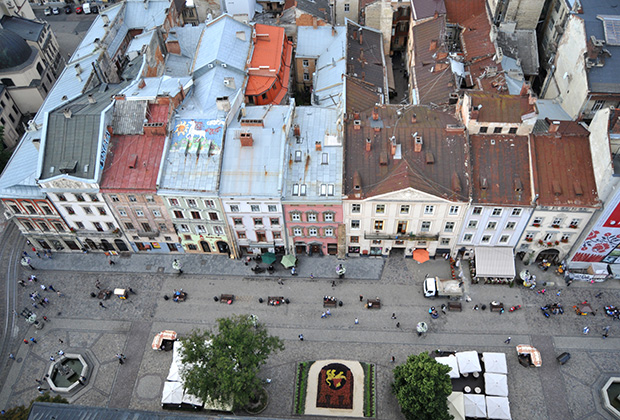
point(498, 408)
point(496, 384)
point(494, 362)
point(451, 362)
point(173, 393)
point(495, 262)
point(468, 361)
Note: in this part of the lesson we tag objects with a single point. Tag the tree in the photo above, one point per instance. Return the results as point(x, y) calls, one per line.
point(224, 366)
point(21, 412)
point(422, 386)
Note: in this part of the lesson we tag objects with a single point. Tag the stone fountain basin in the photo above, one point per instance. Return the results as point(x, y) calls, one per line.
point(55, 367)
point(606, 400)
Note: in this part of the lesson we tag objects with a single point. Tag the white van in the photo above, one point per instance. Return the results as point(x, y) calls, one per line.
point(86, 8)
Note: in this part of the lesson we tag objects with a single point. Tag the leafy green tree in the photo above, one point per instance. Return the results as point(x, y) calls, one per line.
point(21, 412)
point(422, 387)
point(224, 366)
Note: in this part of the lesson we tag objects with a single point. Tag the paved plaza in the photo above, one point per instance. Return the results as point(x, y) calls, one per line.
point(128, 327)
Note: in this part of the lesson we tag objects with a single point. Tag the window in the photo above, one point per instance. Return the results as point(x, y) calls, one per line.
point(467, 237)
point(473, 224)
point(324, 159)
point(149, 198)
point(241, 235)
point(297, 231)
point(516, 212)
point(496, 212)
point(346, 7)
point(59, 227)
point(44, 227)
point(146, 227)
point(529, 237)
point(255, 208)
point(483, 130)
point(139, 213)
point(61, 197)
point(238, 221)
point(46, 210)
point(354, 239)
point(486, 239)
point(557, 221)
point(537, 221)
point(444, 241)
point(565, 237)
point(69, 209)
point(404, 209)
point(356, 208)
point(306, 77)
point(380, 209)
point(449, 227)
point(79, 225)
point(548, 237)
point(312, 217)
point(214, 216)
point(15, 209)
point(178, 214)
point(297, 155)
point(110, 225)
point(313, 231)
point(101, 211)
point(30, 209)
point(79, 197)
point(454, 210)
point(497, 130)
point(378, 224)
point(274, 221)
point(191, 247)
point(272, 208)
point(330, 189)
point(296, 217)
point(504, 239)
point(277, 235)
point(598, 105)
point(355, 224)
point(122, 212)
point(114, 198)
point(302, 189)
point(426, 226)
point(512, 130)
point(304, 63)
point(209, 203)
point(173, 202)
point(87, 210)
point(477, 211)
point(191, 202)
point(511, 225)
point(429, 209)
point(574, 223)
point(184, 228)
point(97, 226)
point(491, 225)
point(201, 229)
point(258, 221)
point(329, 231)
point(196, 215)
point(234, 208)
point(295, 189)
point(328, 217)
point(93, 197)
point(156, 213)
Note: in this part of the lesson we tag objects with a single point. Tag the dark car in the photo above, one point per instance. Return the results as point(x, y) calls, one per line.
point(79, 10)
point(94, 8)
point(68, 9)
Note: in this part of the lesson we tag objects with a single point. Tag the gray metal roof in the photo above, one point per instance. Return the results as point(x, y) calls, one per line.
point(18, 180)
point(26, 28)
point(156, 86)
point(256, 170)
point(319, 8)
point(315, 125)
point(188, 37)
point(330, 67)
point(550, 108)
point(312, 42)
point(129, 117)
point(521, 44)
point(97, 31)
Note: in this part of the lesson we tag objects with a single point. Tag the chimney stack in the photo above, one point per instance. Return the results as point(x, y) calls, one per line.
point(91, 99)
point(246, 140)
point(368, 144)
point(375, 113)
point(67, 112)
point(554, 126)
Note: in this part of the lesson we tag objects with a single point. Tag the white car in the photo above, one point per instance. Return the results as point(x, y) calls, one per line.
point(47, 11)
point(56, 11)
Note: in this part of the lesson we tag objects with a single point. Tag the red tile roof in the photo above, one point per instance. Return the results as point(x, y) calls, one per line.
point(501, 170)
point(461, 10)
point(500, 107)
point(563, 173)
point(271, 59)
point(133, 160)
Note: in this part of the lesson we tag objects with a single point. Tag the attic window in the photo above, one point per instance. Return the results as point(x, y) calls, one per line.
point(611, 25)
point(297, 155)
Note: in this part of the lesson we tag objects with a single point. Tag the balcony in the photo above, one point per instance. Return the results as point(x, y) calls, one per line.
point(98, 234)
point(400, 236)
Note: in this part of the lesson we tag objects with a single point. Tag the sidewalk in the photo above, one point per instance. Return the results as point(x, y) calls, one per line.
point(213, 265)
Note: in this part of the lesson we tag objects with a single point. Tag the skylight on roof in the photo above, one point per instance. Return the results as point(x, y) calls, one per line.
point(611, 25)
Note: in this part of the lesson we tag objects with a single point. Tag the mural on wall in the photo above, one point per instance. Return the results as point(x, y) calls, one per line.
point(198, 137)
point(603, 241)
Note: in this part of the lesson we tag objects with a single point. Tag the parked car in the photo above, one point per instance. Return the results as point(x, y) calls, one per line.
point(86, 8)
point(94, 8)
point(67, 9)
point(79, 10)
point(56, 11)
point(47, 11)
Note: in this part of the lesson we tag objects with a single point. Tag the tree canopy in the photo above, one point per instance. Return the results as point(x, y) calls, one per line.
point(422, 387)
point(224, 365)
point(21, 412)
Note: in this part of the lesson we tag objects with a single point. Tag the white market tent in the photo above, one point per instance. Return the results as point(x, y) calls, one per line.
point(495, 362)
point(456, 405)
point(495, 262)
point(190, 399)
point(496, 384)
point(498, 408)
point(468, 361)
point(174, 374)
point(173, 393)
point(475, 406)
point(451, 362)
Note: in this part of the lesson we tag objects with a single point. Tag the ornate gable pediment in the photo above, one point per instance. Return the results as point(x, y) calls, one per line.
point(408, 194)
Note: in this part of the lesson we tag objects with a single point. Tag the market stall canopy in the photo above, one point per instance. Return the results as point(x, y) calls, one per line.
point(173, 393)
point(494, 362)
point(420, 255)
point(468, 362)
point(498, 408)
point(495, 262)
point(532, 352)
point(475, 406)
point(496, 384)
point(190, 399)
point(164, 335)
point(288, 261)
point(456, 405)
point(452, 362)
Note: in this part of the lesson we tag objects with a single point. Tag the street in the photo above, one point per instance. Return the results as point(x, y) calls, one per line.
point(69, 29)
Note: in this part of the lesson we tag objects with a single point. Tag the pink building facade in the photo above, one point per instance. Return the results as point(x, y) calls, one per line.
point(314, 229)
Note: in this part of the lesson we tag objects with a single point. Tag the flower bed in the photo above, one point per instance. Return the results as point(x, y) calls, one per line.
point(301, 383)
point(369, 390)
point(335, 387)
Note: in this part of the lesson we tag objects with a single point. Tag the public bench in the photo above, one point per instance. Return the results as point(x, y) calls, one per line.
point(229, 299)
point(373, 303)
point(455, 306)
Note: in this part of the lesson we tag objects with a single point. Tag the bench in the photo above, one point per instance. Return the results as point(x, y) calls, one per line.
point(229, 299)
point(275, 300)
point(330, 303)
point(496, 307)
point(373, 303)
point(455, 306)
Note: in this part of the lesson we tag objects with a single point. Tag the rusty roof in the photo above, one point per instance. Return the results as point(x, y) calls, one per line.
point(392, 164)
point(133, 160)
point(500, 107)
point(563, 173)
point(461, 10)
point(360, 96)
point(501, 170)
point(432, 73)
point(365, 59)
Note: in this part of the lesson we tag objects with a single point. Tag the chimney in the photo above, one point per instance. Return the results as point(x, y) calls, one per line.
point(173, 47)
point(417, 144)
point(414, 119)
point(154, 129)
point(222, 103)
point(554, 126)
point(241, 35)
point(333, 31)
point(354, 35)
point(296, 130)
point(141, 84)
point(393, 144)
point(230, 82)
point(360, 36)
point(67, 112)
point(106, 19)
point(317, 146)
point(133, 161)
point(375, 113)
point(78, 69)
point(246, 139)
point(314, 22)
point(368, 144)
point(91, 99)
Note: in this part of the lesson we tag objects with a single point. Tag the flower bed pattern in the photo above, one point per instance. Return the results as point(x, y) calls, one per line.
point(301, 382)
point(369, 390)
point(335, 387)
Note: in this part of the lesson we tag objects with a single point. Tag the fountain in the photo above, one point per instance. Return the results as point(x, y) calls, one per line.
point(67, 373)
point(611, 396)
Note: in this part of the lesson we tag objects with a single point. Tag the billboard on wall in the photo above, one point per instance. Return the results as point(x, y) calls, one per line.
point(603, 241)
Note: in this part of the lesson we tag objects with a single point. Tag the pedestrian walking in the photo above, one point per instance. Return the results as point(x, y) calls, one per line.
point(328, 313)
point(25, 254)
point(333, 283)
point(61, 353)
point(98, 285)
point(35, 305)
point(102, 305)
point(45, 319)
point(52, 359)
point(443, 308)
point(60, 294)
point(393, 315)
point(39, 381)
point(49, 254)
point(586, 330)
point(41, 390)
point(61, 341)
point(51, 288)
point(606, 332)
point(176, 265)
point(311, 276)
point(323, 315)
point(22, 283)
point(357, 321)
point(507, 341)
point(46, 300)
point(393, 359)
point(280, 282)
point(38, 254)
point(121, 357)
point(301, 337)
point(26, 341)
point(11, 356)
point(33, 340)
point(398, 325)
point(111, 261)
point(361, 298)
